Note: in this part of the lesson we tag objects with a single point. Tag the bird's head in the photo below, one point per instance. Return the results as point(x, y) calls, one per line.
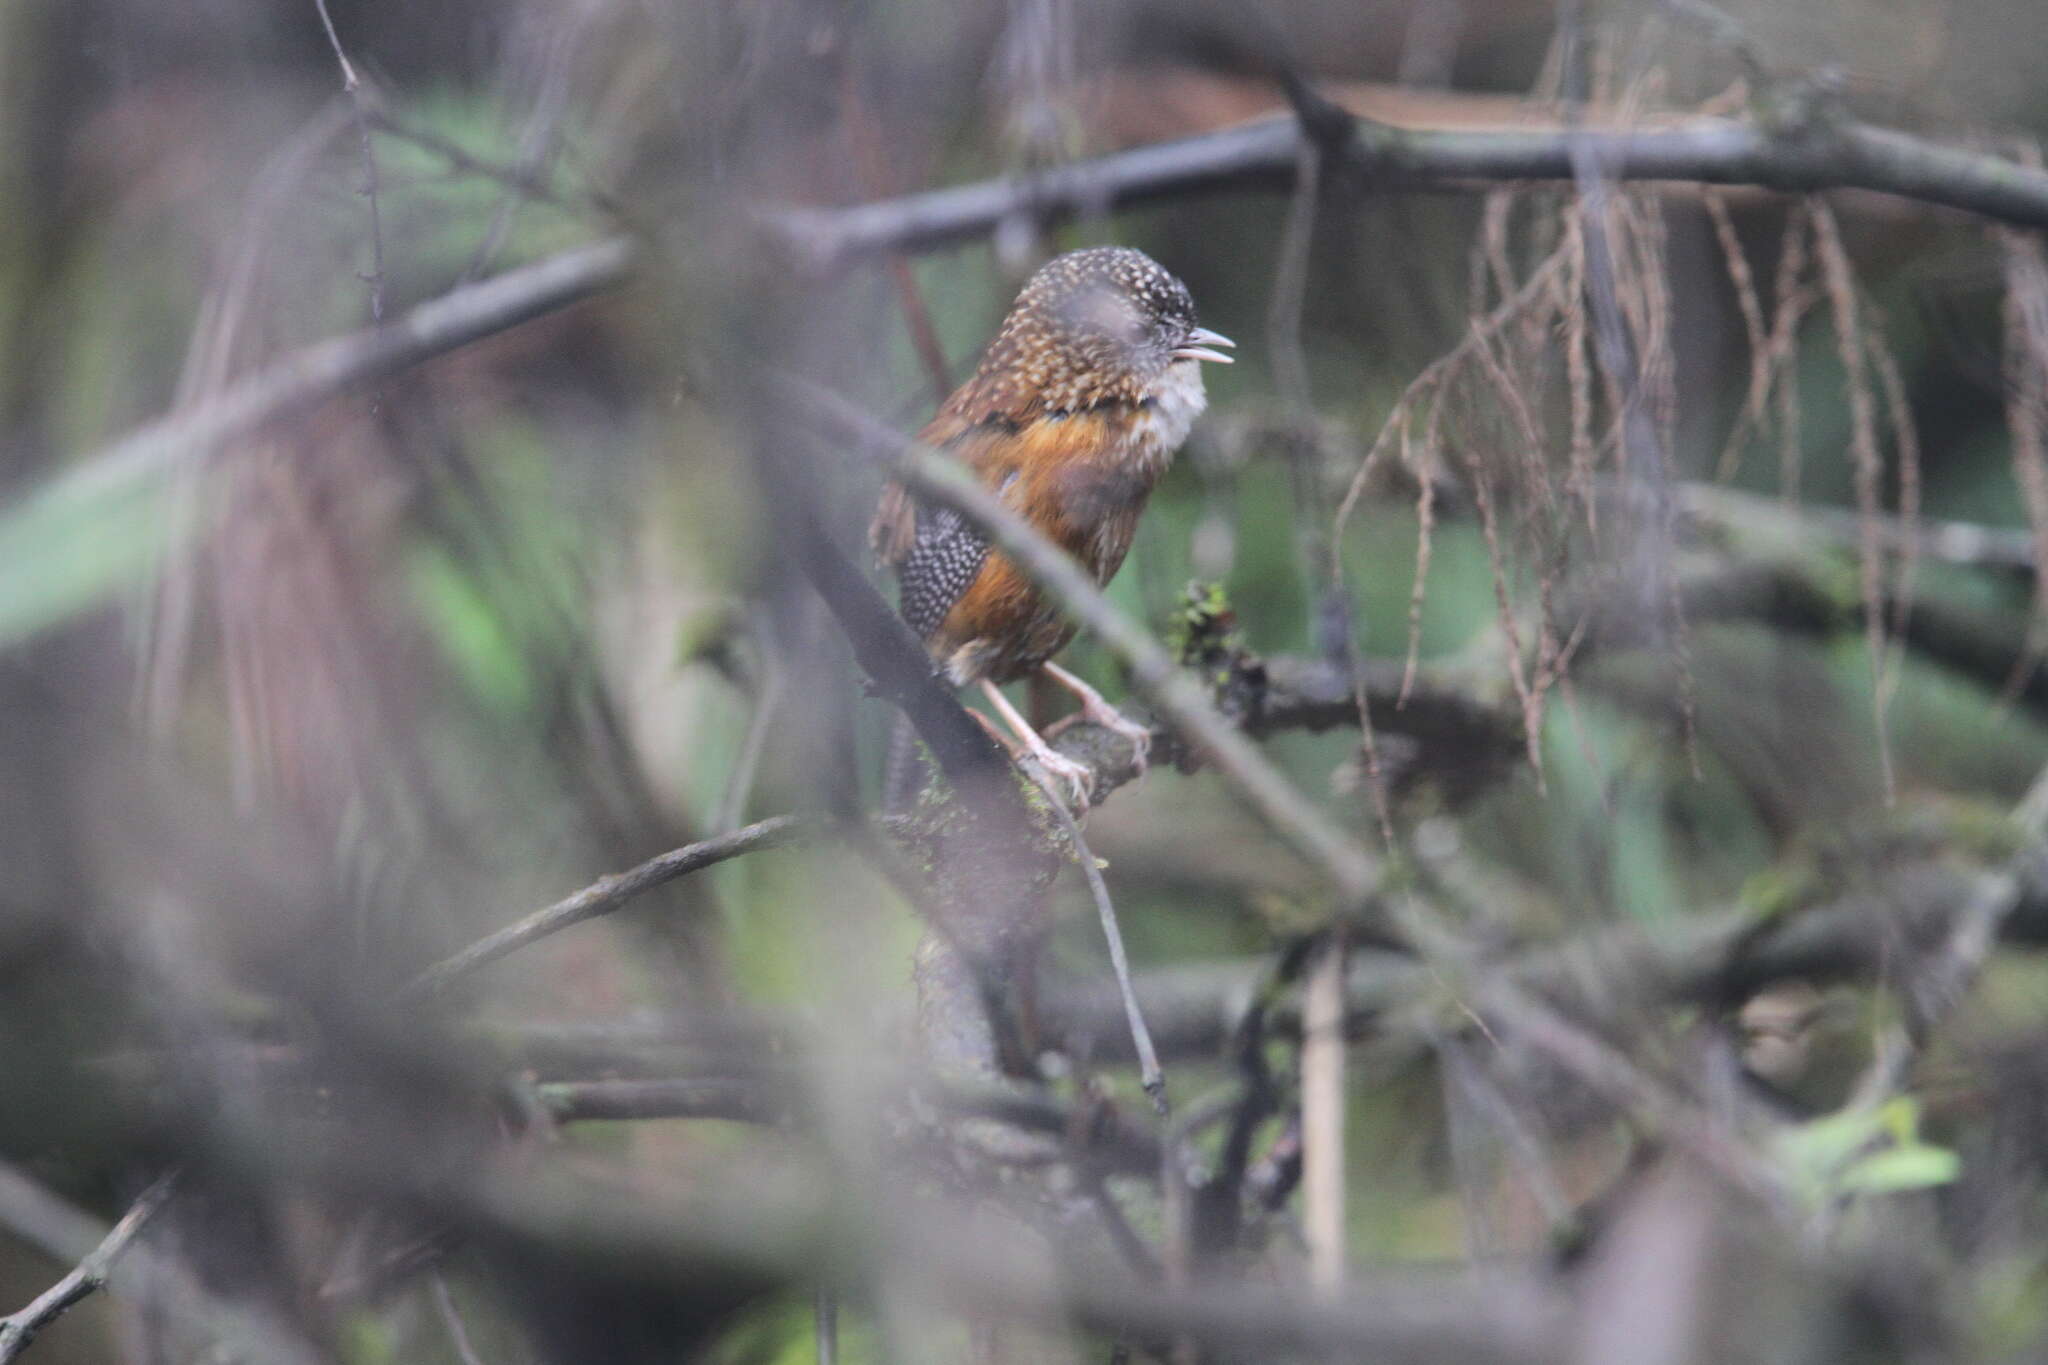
point(1106, 324)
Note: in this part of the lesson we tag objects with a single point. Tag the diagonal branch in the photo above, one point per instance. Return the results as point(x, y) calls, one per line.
point(87, 1278)
point(604, 896)
point(239, 1330)
point(299, 382)
point(1959, 957)
point(1352, 871)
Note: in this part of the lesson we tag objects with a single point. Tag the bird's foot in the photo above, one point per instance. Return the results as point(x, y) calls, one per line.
point(1109, 718)
point(1058, 770)
point(1061, 772)
point(1097, 711)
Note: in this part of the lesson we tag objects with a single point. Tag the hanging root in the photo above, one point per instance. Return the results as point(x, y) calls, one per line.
point(1839, 278)
point(1751, 307)
point(2026, 415)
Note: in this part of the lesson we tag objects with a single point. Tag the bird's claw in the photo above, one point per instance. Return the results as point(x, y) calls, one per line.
point(1061, 771)
point(1095, 710)
point(1109, 718)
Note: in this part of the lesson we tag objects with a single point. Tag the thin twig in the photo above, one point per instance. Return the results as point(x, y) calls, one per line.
point(352, 86)
point(825, 1313)
point(1743, 281)
point(536, 137)
point(1149, 1073)
point(2025, 313)
point(1129, 1244)
point(460, 158)
point(605, 895)
point(871, 164)
point(1866, 461)
point(1644, 455)
point(239, 1330)
point(86, 1278)
point(458, 1331)
point(739, 787)
point(1959, 959)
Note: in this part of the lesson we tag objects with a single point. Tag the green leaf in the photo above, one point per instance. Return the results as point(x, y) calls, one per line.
point(1818, 1149)
point(471, 633)
point(1901, 1117)
point(63, 553)
point(1900, 1169)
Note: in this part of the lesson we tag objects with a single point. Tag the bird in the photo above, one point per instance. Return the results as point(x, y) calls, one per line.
point(1075, 410)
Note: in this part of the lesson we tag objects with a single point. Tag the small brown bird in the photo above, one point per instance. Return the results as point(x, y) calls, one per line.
point(1074, 412)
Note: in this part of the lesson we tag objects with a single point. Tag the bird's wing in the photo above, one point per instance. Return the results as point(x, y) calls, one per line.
point(935, 551)
point(945, 555)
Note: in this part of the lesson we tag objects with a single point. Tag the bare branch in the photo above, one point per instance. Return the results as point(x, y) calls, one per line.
point(1149, 1074)
point(242, 1331)
point(1290, 694)
point(606, 895)
point(1712, 956)
point(743, 1099)
point(1967, 543)
point(87, 1278)
point(1933, 992)
point(352, 86)
point(1263, 156)
point(532, 184)
point(301, 381)
point(451, 1318)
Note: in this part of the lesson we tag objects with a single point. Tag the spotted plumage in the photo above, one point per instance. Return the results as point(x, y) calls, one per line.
point(944, 558)
point(1073, 413)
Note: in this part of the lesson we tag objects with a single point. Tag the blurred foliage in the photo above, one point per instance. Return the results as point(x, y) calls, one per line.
point(550, 593)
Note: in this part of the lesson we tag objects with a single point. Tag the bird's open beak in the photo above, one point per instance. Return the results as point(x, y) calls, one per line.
point(1198, 343)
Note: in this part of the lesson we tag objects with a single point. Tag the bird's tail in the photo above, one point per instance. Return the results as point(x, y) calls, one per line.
point(905, 771)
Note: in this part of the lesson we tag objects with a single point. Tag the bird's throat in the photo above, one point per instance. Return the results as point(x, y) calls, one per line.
point(1169, 414)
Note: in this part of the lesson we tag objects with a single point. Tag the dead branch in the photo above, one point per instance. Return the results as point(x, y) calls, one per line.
point(352, 86)
point(604, 896)
point(306, 378)
point(1822, 154)
point(86, 1278)
point(1933, 992)
point(1966, 543)
point(45, 1220)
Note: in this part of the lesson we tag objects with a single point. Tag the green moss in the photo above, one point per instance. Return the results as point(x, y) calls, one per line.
point(1202, 631)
